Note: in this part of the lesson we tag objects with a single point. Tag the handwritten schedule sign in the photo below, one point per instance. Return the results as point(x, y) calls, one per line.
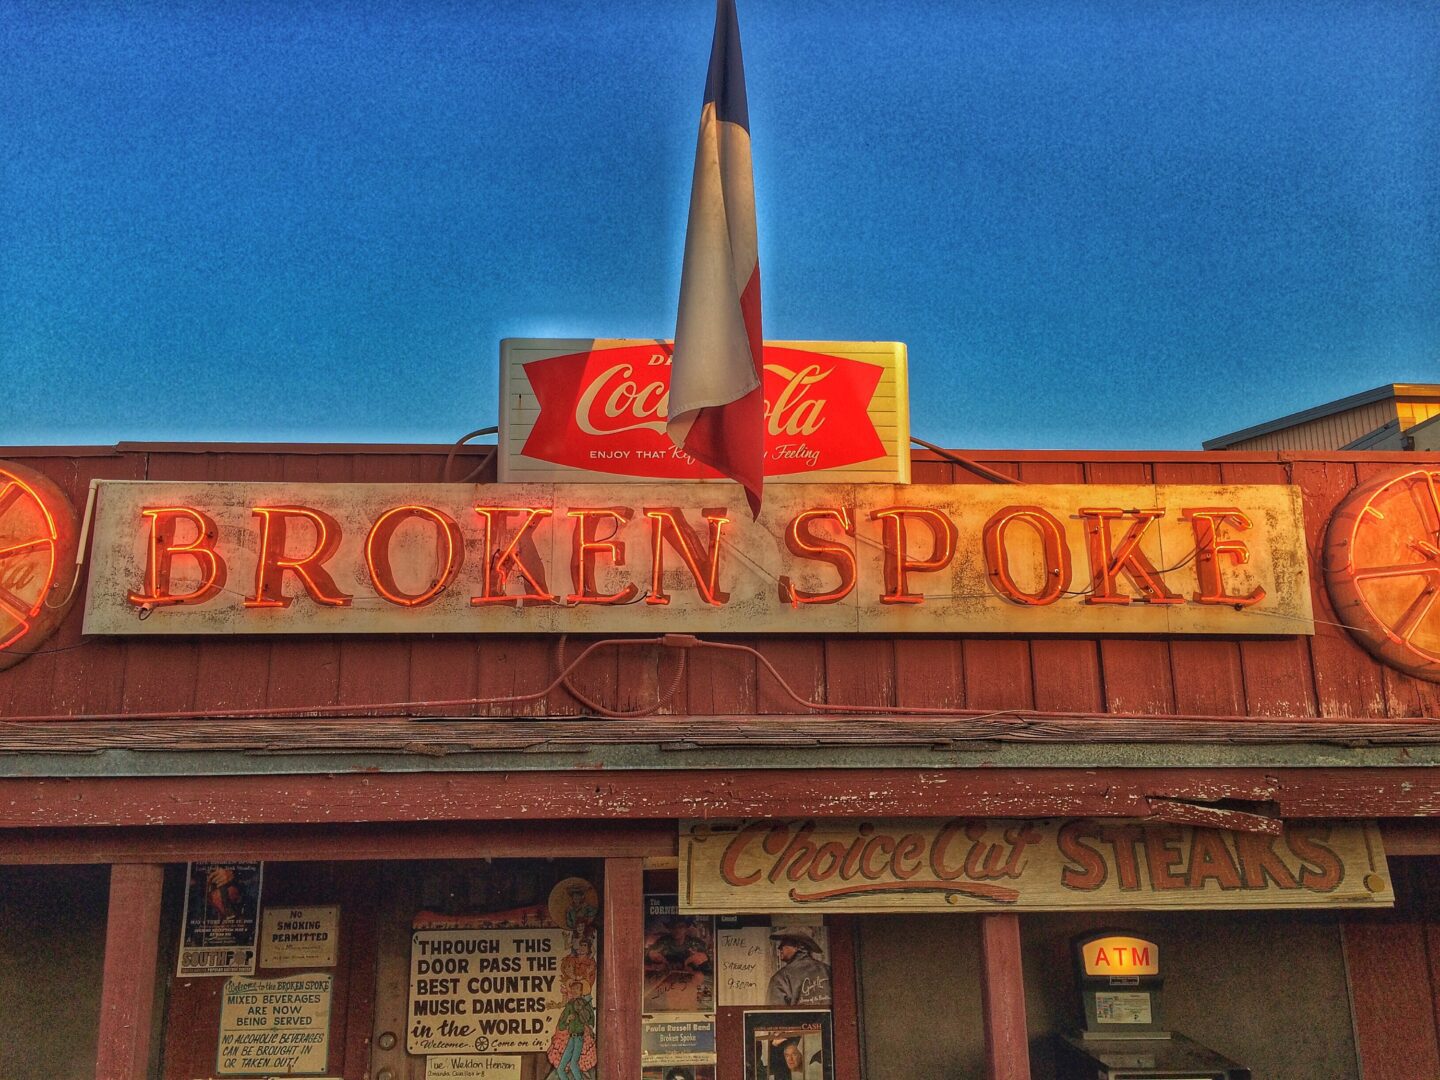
point(744, 964)
point(484, 991)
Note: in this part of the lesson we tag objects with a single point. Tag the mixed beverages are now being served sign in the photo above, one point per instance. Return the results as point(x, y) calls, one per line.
point(225, 558)
point(594, 409)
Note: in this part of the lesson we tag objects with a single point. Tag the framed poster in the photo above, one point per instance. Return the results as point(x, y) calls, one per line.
point(789, 1046)
point(679, 958)
point(220, 927)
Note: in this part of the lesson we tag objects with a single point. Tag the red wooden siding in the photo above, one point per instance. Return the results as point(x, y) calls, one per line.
point(1327, 675)
point(1393, 962)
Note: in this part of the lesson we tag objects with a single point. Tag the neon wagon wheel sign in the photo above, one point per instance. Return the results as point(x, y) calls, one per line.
point(1383, 569)
point(37, 536)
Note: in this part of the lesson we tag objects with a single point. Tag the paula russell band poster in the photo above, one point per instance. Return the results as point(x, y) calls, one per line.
point(679, 958)
point(788, 1046)
point(219, 931)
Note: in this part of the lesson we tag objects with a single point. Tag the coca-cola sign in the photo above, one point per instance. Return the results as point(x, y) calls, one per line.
point(833, 410)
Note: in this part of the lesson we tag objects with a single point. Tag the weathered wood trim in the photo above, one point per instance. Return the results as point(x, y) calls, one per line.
point(418, 737)
point(657, 794)
point(1410, 837)
point(1002, 997)
point(127, 995)
point(340, 843)
point(624, 946)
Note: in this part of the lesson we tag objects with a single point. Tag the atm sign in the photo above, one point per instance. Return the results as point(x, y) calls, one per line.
point(1121, 956)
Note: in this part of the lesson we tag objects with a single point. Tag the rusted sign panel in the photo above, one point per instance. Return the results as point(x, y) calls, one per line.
point(590, 410)
point(1039, 865)
point(227, 558)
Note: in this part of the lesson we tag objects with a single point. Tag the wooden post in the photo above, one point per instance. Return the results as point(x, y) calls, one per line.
point(843, 997)
point(1002, 995)
point(620, 992)
point(132, 940)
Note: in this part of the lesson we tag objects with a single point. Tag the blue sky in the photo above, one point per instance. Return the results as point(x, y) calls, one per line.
point(1095, 224)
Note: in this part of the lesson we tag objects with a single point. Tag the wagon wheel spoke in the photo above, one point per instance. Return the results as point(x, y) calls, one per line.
point(1428, 568)
point(16, 608)
point(8, 494)
point(1416, 613)
point(1432, 504)
point(20, 549)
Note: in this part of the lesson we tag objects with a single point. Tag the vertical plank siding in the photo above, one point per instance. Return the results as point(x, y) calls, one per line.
point(1347, 680)
point(234, 672)
point(1065, 672)
point(1393, 992)
point(88, 677)
point(1327, 675)
point(1206, 672)
point(308, 672)
point(1137, 671)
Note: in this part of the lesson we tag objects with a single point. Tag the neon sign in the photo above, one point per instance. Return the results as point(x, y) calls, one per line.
point(371, 558)
point(1120, 955)
point(1382, 567)
point(37, 553)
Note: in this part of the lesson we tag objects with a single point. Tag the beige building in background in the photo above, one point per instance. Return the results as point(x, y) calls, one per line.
point(1396, 416)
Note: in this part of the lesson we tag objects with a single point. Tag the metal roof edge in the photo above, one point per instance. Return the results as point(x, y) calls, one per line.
point(991, 455)
point(1315, 412)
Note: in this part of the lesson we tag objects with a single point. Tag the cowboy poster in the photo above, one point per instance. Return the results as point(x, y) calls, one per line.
point(785, 965)
point(679, 958)
point(800, 971)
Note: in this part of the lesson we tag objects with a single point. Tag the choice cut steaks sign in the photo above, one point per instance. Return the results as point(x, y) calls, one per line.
point(1054, 865)
point(224, 558)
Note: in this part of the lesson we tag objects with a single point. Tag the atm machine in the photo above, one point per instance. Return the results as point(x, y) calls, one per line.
point(1124, 1037)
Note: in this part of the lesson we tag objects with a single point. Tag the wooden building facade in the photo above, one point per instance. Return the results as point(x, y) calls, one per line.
point(404, 777)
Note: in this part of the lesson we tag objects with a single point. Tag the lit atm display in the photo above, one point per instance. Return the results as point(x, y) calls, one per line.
point(1120, 983)
point(1124, 1035)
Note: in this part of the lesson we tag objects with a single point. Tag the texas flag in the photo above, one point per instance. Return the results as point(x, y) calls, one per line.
point(717, 406)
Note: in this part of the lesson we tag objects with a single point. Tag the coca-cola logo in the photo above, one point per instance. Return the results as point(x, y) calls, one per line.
point(605, 411)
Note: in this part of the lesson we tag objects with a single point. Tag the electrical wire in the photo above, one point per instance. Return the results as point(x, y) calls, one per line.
point(484, 461)
point(683, 642)
point(960, 459)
